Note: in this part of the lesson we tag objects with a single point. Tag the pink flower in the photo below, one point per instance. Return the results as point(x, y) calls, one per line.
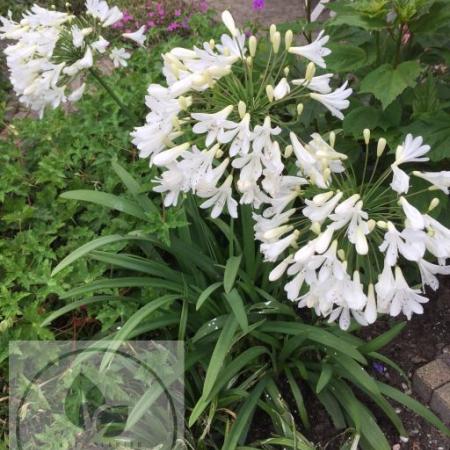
point(177, 13)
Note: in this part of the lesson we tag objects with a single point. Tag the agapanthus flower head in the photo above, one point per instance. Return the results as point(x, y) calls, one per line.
point(344, 236)
point(233, 96)
point(51, 50)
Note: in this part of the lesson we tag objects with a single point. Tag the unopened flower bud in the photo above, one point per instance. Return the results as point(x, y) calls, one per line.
point(286, 71)
point(310, 71)
point(381, 146)
point(228, 20)
point(219, 153)
point(366, 134)
point(300, 109)
point(341, 254)
point(371, 224)
point(315, 228)
point(272, 30)
point(249, 61)
point(242, 109)
point(252, 43)
point(382, 224)
point(185, 102)
point(288, 38)
point(288, 151)
point(269, 92)
point(433, 204)
point(212, 43)
point(276, 42)
point(332, 138)
point(326, 174)
point(276, 233)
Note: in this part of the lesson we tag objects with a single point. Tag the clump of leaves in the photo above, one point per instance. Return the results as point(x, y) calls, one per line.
point(248, 355)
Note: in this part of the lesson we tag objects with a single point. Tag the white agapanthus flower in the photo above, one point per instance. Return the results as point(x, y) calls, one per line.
point(217, 97)
point(51, 49)
point(341, 237)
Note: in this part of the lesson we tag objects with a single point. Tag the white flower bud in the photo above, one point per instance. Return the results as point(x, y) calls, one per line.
point(252, 43)
point(300, 109)
point(272, 30)
point(288, 38)
point(276, 233)
point(332, 138)
point(288, 151)
point(341, 254)
point(286, 71)
point(269, 92)
point(371, 224)
point(276, 42)
point(381, 146)
point(433, 204)
point(242, 109)
point(228, 20)
point(212, 43)
point(219, 153)
point(382, 224)
point(366, 134)
point(310, 71)
point(249, 61)
point(315, 228)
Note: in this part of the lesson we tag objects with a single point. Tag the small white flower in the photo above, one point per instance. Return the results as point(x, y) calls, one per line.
point(221, 197)
point(439, 180)
point(119, 57)
point(100, 10)
point(409, 243)
point(137, 36)
point(400, 180)
point(100, 45)
point(281, 89)
point(77, 94)
point(211, 124)
point(320, 84)
point(228, 20)
point(272, 250)
point(411, 150)
point(315, 51)
point(318, 211)
point(238, 134)
point(428, 272)
point(415, 217)
point(335, 101)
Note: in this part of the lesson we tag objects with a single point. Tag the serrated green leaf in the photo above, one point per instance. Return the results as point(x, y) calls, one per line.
point(386, 82)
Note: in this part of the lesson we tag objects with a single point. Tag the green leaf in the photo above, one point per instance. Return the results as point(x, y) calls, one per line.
point(107, 200)
point(386, 83)
point(413, 405)
point(231, 270)
point(237, 305)
point(141, 314)
point(360, 118)
point(75, 305)
point(85, 249)
point(223, 346)
point(345, 57)
point(380, 341)
point(244, 416)
point(298, 397)
point(325, 377)
point(206, 294)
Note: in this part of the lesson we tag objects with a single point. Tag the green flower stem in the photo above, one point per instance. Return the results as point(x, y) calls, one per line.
point(112, 94)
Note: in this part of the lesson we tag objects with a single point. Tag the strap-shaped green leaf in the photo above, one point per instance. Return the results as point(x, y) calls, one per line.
point(231, 270)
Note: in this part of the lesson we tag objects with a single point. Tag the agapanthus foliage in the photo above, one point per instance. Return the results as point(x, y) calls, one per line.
point(53, 50)
point(217, 129)
point(345, 239)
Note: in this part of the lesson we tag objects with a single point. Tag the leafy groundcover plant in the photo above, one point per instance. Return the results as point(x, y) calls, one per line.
point(249, 355)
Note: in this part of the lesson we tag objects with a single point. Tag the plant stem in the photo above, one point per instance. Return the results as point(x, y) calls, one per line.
point(105, 86)
point(399, 46)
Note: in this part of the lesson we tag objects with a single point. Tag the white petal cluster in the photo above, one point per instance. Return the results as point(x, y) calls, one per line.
point(234, 141)
point(343, 242)
point(50, 49)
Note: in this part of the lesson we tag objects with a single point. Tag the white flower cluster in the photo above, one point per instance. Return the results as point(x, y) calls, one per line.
point(344, 244)
point(53, 48)
point(216, 127)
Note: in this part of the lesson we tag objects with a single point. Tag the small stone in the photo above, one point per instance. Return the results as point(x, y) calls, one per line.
point(430, 377)
point(404, 438)
point(396, 447)
point(415, 431)
point(440, 402)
